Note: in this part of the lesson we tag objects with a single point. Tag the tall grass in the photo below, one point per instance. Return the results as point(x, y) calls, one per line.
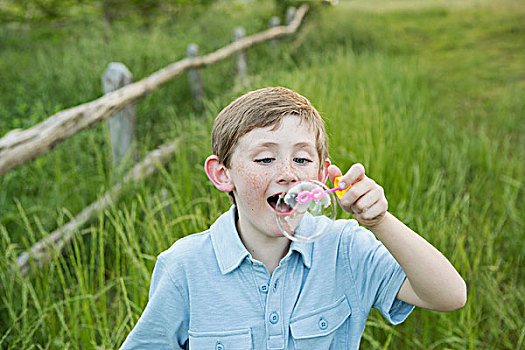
point(436, 127)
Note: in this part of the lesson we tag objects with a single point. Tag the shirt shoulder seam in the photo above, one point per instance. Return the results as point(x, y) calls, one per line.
point(349, 240)
point(177, 286)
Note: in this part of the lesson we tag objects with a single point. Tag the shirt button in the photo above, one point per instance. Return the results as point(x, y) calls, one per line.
point(219, 346)
point(274, 317)
point(263, 288)
point(323, 324)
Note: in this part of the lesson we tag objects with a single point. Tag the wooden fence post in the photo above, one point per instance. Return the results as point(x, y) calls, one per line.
point(290, 14)
point(121, 124)
point(240, 57)
point(197, 89)
point(275, 22)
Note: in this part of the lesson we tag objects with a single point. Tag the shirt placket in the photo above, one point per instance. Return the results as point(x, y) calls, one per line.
point(261, 278)
point(273, 315)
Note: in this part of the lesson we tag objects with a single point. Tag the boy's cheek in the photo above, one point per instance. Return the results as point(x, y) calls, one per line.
point(250, 181)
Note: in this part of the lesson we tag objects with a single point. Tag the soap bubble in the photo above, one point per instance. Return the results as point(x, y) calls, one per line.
point(306, 212)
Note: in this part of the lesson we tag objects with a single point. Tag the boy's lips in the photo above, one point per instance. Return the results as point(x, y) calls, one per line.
point(283, 208)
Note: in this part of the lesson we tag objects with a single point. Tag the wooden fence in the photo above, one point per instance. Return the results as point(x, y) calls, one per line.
point(20, 146)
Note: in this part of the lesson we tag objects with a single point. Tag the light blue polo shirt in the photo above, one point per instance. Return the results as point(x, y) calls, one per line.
point(207, 292)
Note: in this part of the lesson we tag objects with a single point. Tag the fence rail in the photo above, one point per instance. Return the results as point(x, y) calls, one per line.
point(20, 146)
point(55, 243)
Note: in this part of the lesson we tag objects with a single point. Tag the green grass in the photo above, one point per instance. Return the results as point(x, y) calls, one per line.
point(430, 99)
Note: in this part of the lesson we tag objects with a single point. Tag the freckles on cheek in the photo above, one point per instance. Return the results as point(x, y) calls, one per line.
point(255, 187)
point(255, 180)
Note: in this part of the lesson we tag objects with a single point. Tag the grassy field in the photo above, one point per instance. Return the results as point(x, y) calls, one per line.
point(429, 97)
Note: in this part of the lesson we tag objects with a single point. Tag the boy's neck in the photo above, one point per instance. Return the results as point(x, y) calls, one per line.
point(267, 250)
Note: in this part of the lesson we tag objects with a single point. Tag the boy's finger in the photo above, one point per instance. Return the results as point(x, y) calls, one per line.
point(353, 175)
point(369, 199)
point(333, 172)
point(356, 191)
point(378, 209)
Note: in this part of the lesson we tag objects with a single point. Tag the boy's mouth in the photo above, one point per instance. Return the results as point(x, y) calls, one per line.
point(282, 208)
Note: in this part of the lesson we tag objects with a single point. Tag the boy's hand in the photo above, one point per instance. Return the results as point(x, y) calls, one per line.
point(365, 199)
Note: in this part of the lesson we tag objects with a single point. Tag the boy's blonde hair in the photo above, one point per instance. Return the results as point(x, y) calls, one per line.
point(263, 108)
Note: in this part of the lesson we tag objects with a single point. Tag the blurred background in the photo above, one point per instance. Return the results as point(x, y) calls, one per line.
point(429, 96)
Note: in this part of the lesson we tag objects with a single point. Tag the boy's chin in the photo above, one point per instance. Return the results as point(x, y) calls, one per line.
point(277, 233)
point(274, 231)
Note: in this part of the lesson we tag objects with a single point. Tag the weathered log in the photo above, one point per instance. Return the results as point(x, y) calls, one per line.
point(121, 124)
point(58, 240)
point(274, 23)
point(241, 67)
point(20, 146)
point(194, 77)
point(290, 15)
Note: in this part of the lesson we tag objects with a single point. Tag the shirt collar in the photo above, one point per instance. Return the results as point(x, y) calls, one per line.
point(305, 250)
point(230, 251)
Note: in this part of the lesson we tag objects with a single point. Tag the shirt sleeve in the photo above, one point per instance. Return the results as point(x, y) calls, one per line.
point(164, 322)
point(377, 276)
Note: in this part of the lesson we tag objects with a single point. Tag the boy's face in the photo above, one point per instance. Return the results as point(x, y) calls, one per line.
point(266, 163)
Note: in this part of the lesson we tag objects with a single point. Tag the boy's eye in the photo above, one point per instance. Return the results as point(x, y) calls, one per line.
point(302, 160)
point(264, 160)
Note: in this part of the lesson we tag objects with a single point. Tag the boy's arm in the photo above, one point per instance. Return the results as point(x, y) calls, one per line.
point(432, 282)
point(164, 322)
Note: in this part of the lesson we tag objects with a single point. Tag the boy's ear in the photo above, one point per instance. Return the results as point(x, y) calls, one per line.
point(218, 174)
point(323, 173)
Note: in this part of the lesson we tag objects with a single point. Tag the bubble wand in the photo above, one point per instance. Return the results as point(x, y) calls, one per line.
point(306, 212)
point(318, 193)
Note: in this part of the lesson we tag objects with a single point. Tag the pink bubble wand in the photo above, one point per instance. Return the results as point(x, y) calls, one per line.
point(318, 193)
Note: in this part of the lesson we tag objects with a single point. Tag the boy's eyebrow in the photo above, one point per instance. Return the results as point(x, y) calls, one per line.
point(304, 145)
point(271, 144)
point(265, 144)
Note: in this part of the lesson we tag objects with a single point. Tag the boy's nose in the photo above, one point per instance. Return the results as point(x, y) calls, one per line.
point(287, 174)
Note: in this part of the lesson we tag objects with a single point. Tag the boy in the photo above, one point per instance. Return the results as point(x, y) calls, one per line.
point(243, 285)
